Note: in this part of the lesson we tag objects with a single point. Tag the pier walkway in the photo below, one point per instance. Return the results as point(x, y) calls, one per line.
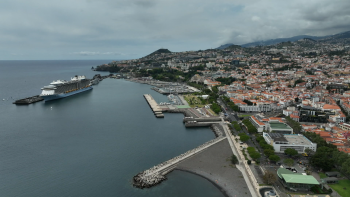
point(154, 106)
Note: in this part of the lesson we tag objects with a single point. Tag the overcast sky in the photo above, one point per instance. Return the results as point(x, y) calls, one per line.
point(125, 29)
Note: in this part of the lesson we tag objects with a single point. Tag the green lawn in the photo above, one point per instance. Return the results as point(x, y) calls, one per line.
point(193, 101)
point(339, 187)
point(322, 175)
point(244, 115)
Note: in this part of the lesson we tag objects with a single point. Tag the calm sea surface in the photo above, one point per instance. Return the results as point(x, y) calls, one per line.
point(90, 144)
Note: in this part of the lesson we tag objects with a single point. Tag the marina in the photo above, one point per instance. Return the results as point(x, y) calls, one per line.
point(166, 88)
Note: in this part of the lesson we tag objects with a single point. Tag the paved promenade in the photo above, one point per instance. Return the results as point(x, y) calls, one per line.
point(248, 177)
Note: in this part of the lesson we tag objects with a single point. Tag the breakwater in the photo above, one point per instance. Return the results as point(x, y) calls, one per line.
point(154, 106)
point(156, 174)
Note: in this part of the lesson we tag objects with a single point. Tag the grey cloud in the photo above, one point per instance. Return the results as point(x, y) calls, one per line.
point(43, 29)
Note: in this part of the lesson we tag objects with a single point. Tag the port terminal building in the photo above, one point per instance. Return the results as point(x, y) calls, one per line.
point(272, 125)
point(281, 142)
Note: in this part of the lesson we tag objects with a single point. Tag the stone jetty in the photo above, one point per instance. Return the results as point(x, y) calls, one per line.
point(28, 100)
point(156, 174)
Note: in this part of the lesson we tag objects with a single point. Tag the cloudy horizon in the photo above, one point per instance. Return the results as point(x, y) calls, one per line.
point(127, 29)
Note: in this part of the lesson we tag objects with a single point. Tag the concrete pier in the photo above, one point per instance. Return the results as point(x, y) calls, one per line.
point(29, 100)
point(197, 124)
point(202, 119)
point(154, 106)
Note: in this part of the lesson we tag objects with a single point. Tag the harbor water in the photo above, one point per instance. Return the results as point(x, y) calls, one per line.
point(90, 144)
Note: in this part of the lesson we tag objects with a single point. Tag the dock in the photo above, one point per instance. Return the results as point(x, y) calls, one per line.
point(28, 100)
point(158, 112)
point(202, 119)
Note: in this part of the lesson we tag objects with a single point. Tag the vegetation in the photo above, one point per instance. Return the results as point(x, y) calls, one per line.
point(294, 124)
point(216, 108)
point(193, 100)
point(274, 158)
point(327, 155)
point(322, 175)
point(226, 81)
point(253, 153)
point(244, 137)
point(234, 159)
point(159, 51)
point(269, 152)
point(231, 104)
point(250, 126)
point(342, 188)
point(269, 177)
point(290, 152)
point(199, 86)
point(248, 102)
point(236, 126)
point(268, 149)
point(309, 151)
point(289, 162)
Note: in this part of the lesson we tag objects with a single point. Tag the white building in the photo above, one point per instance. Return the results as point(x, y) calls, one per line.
point(259, 107)
point(281, 142)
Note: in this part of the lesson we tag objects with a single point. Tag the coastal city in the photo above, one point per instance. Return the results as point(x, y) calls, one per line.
point(195, 98)
point(283, 108)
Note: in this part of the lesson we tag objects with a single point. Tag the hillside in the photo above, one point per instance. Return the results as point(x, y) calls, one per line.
point(159, 51)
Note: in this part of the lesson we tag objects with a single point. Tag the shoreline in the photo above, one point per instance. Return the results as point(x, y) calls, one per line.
point(229, 191)
point(222, 190)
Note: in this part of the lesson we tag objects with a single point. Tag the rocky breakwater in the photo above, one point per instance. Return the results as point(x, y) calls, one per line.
point(156, 174)
point(146, 180)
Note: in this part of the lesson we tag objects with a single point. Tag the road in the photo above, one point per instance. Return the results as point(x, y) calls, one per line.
point(231, 115)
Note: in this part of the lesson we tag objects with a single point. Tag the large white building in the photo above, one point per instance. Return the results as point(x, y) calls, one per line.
point(259, 107)
point(281, 142)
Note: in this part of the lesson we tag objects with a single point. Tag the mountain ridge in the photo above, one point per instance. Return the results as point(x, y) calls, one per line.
point(345, 34)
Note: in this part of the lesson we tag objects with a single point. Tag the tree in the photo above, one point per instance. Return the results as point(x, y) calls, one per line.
point(269, 177)
point(269, 152)
point(289, 162)
point(323, 158)
point(291, 152)
point(244, 138)
point(255, 155)
point(234, 159)
point(274, 158)
point(309, 151)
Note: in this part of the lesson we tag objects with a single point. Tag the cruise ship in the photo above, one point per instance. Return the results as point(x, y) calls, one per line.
point(61, 88)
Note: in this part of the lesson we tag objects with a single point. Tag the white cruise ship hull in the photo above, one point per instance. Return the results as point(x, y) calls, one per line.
point(63, 95)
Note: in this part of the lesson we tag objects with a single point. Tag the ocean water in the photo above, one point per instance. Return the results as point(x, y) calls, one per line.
point(90, 144)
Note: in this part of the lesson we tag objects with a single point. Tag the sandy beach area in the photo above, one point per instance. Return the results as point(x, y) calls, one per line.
point(214, 164)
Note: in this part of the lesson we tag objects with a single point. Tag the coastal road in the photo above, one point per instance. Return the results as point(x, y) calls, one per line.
point(240, 166)
point(231, 115)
